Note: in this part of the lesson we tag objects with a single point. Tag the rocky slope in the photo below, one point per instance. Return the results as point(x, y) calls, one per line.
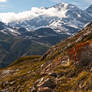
point(65, 67)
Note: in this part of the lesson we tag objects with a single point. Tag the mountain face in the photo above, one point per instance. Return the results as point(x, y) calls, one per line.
point(65, 67)
point(89, 9)
point(17, 42)
point(12, 46)
point(63, 18)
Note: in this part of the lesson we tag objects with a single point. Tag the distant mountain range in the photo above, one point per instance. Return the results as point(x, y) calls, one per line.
point(63, 18)
point(38, 29)
point(15, 43)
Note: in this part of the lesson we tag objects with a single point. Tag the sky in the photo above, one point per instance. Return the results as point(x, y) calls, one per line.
point(24, 5)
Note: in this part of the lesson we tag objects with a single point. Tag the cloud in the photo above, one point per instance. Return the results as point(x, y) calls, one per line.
point(3, 1)
point(57, 1)
point(3, 6)
point(34, 12)
point(89, 1)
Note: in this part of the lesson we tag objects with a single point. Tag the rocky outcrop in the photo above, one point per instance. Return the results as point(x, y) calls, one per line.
point(44, 85)
point(82, 53)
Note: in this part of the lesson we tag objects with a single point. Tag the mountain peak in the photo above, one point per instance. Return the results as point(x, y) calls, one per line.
point(89, 9)
point(61, 5)
point(64, 5)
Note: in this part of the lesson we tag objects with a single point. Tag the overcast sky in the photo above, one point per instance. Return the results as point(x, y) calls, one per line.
point(23, 5)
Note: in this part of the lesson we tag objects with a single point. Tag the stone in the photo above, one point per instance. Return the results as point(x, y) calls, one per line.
point(5, 83)
point(47, 83)
point(52, 74)
point(33, 89)
point(44, 89)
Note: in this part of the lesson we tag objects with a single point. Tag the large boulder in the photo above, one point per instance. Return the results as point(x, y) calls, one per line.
point(82, 53)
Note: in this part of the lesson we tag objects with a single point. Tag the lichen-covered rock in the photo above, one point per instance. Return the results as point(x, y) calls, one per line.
point(82, 53)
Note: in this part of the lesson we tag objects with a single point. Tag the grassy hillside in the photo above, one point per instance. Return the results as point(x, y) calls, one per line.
point(27, 43)
point(65, 67)
point(12, 48)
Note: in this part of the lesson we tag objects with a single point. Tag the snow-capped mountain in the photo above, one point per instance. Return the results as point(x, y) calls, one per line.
point(89, 10)
point(63, 18)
